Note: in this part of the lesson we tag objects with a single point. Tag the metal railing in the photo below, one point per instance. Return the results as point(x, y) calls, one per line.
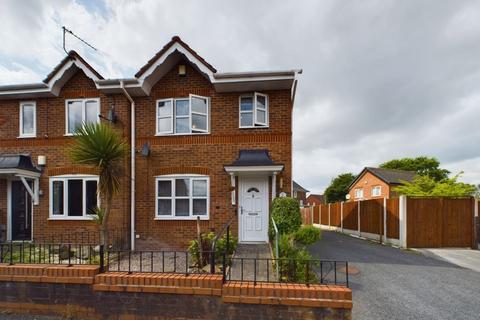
point(277, 252)
point(307, 272)
point(226, 228)
point(117, 238)
point(50, 253)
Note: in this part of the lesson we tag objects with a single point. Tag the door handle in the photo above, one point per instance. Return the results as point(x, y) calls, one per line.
point(253, 214)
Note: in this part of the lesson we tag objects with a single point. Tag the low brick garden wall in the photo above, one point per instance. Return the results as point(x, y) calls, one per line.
point(57, 290)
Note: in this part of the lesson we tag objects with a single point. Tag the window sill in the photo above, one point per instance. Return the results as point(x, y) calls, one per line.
point(255, 127)
point(180, 218)
point(70, 219)
point(181, 134)
point(26, 137)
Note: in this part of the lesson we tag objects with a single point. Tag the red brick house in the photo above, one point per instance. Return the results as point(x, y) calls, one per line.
point(204, 144)
point(377, 183)
point(315, 199)
point(299, 193)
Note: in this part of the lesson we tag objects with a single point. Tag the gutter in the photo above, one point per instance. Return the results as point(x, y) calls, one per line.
point(132, 165)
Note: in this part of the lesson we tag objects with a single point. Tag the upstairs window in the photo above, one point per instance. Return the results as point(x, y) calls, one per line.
point(376, 191)
point(254, 111)
point(80, 112)
point(183, 115)
point(73, 197)
point(28, 120)
point(182, 197)
point(358, 193)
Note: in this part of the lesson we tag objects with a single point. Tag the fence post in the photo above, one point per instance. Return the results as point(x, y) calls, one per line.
point(312, 212)
point(329, 225)
point(402, 203)
point(320, 214)
point(102, 261)
point(341, 216)
point(358, 217)
point(385, 219)
point(476, 225)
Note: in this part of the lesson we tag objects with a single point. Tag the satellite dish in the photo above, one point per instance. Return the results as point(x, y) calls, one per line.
point(347, 197)
point(145, 152)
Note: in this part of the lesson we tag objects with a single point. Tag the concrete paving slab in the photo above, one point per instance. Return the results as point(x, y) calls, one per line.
point(465, 258)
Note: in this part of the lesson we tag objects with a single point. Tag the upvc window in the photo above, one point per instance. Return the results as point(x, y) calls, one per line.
point(79, 112)
point(359, 193)
point(28, 119)
point(254, 111)
point(182, 197)
point(376, 191)
point(73, 197)
point(183, 115)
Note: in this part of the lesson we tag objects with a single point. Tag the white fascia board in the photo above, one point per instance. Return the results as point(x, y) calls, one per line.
point(238, 169)
point(52, 84)
point(18, 172)
point(177, 47)
point(254, 79)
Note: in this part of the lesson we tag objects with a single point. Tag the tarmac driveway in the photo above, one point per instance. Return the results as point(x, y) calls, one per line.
point(402, 284)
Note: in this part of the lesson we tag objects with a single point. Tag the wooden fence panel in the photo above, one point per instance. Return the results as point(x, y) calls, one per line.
point(350, 215)
point(371, 216)
point(306, 215)
point(439, 222)
point(324, 214)
point(316, 214)
point(335, 214)
point(393, 218)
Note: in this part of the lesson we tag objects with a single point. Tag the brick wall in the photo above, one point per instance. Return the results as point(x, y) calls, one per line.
point(366, 182)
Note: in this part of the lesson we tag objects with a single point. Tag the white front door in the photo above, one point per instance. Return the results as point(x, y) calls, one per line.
point(253, 209)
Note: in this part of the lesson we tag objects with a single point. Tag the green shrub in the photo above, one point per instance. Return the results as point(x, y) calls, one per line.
point(307, 235)
point(286, 212)
point(294, 264)
point(207, 240)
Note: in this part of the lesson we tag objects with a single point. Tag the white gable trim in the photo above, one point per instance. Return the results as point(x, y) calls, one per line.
point(56, 83)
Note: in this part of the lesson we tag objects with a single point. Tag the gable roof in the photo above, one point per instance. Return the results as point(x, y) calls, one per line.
point(297, 187)
point(71, 56)
point(159, 54)
point(389, 176)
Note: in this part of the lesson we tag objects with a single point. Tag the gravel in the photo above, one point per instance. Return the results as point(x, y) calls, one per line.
point(402, 284)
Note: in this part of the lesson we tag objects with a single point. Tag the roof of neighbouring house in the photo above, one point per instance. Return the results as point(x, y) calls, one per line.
point(390, 176)
point(297, 187)
point(259, 157)
point(317, 198)
point(17, 161)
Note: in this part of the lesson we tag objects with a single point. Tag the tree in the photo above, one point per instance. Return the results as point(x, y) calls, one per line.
point(99, 146)
point(338, 188)
point(424, 166)
point(427, 186)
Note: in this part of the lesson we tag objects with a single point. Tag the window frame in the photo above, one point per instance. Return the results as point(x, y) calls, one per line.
point(84, 111)
point(379, 191)
point(190, 197)
point(64, 179)
point(28, 135)
point(358, 190)
point(255, 123)
point(174, 117)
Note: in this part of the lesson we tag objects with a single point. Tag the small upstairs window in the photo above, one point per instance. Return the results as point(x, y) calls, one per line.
point(376, 191)
point(254, 111)
point(183, 115)
point(28, 119)
point(359, 193)
point(80, 112)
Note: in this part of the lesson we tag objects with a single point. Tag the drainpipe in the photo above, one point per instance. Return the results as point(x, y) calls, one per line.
point(132, 166)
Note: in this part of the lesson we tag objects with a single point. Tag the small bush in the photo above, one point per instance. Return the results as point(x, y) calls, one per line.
point(307, 235)
point(207, 240)
point(294, 265)
point(286, 213)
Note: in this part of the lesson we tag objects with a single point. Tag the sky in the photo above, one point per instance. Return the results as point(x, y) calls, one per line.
point(381, 79)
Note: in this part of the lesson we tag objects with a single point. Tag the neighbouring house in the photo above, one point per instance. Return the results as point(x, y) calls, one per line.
point(299, 193)
point(315, 199)
point(204, 144)
point(377, 183)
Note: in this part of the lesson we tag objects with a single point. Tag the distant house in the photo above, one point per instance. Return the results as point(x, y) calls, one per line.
point(299, 193)
point(315, 199)
point(377, 183)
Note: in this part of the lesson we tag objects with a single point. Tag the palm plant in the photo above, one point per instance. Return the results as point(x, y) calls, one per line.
point(99, 146)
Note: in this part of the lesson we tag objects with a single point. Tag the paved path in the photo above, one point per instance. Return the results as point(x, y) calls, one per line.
point(466, 258)
point(244, 256)
point(398, 284)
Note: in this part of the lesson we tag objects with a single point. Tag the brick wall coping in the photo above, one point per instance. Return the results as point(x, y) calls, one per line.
point(79, 274)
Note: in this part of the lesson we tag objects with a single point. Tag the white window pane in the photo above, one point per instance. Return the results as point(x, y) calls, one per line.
point(182, 187)
point(74, 115)
point(182, 207)
point(246, 119)
point(182, 125)
point(261, 102)
point(164, 207)
point(181, 107)
point(261, 116)
point(199, 188)
point(165, 125)
point(199, 207)
point(165, 108)
point(28, 117)
point(57, 198)
point(165, 188)
point(199, 122)
point(91, 112)
point(246, 104)
point(199, 105)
